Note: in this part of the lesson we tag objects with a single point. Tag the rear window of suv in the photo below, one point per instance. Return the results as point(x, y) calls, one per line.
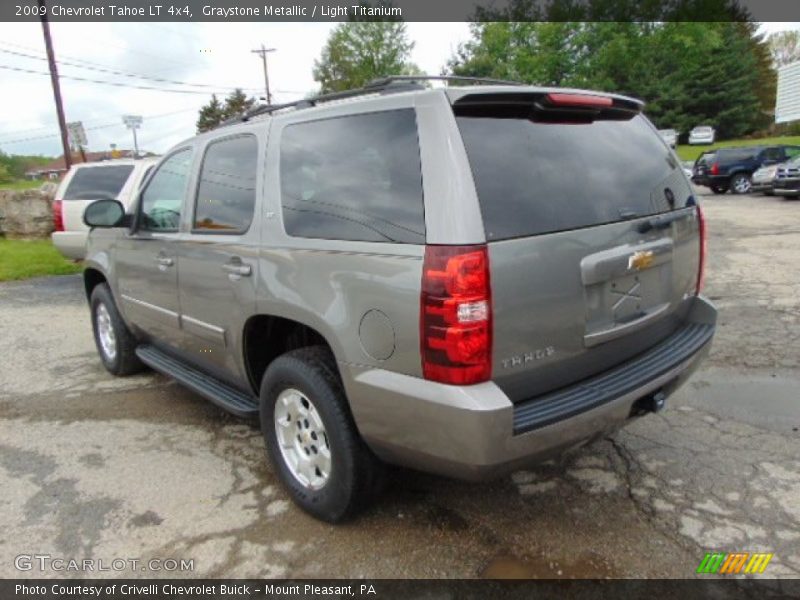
point(353, 178)
point(96, 183)
point(541, 177)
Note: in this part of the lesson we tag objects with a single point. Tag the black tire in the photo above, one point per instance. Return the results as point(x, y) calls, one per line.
point(355, 474)
point(740, 184)
point(719, 189)
point(769, 193)
point(124, 361)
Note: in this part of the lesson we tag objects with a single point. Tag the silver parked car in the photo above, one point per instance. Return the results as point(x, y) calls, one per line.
point(702, 134)
point(460, 280)
point(670, 136)
point(85, 183)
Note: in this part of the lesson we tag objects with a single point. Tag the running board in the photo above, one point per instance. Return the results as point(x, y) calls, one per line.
point(221, 394)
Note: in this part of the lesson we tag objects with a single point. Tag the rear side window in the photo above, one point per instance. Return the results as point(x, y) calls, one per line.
point(226, 194)
point(541, 177)
point(95, 183)
point(353, 178)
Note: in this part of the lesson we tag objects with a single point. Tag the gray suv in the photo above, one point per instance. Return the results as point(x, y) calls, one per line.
point(461, 280)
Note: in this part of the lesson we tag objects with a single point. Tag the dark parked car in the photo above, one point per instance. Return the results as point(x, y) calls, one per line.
point(731, 168)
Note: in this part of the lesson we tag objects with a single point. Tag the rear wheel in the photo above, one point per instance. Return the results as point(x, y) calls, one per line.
point(719, 189)
point(740, 183)
point(311, 439)
point(115, 343)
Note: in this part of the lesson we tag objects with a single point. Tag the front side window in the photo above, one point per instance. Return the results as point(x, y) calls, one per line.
point(226, 194)
point(354, 178)
point(162, 200)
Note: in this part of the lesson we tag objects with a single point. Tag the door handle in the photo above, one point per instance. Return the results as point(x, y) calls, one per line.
point(164, 261)
point(237, 269)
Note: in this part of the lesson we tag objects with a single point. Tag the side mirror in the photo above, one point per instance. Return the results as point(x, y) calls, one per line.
point(105, 213)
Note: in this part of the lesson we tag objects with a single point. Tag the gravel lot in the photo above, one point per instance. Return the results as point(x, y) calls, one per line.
point(104, 468)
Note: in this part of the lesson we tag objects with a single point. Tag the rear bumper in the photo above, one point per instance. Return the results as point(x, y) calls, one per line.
point(71, 244)
point(711, 180)
point(476, 432)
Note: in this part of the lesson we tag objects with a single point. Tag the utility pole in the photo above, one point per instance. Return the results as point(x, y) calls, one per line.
point(51, 60)
point(263, 52)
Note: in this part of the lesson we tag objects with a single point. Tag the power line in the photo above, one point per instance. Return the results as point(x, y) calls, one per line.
point(112, 83)
point(123, 73)
point(95, 128)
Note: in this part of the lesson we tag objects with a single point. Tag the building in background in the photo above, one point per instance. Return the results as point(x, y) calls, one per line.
point(787, 100)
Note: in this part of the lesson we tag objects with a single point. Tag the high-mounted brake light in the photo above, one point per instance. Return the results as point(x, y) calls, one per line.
point(456, 315)
point(58, 215)
point(701, 267)
point(579, 100)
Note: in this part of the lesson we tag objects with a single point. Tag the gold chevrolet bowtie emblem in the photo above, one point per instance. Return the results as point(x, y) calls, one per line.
point(640, 260)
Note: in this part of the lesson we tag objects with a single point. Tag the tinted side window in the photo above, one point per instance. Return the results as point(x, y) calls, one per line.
point(162, 200)
point(773, 154)
point(95, 183)
point(538, 177)
point(354, 178)
point(226, 194)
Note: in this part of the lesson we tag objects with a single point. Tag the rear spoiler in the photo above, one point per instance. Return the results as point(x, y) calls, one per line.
point(555, 106)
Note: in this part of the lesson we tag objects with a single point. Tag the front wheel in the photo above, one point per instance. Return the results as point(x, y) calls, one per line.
point(311, 439)
point(115, 343)
point(741, 184)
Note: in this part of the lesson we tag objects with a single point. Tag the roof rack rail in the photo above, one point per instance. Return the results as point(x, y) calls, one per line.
point(411, 78)
point(391, 84)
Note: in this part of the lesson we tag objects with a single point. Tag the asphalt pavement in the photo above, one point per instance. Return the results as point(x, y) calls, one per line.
point(94, 467)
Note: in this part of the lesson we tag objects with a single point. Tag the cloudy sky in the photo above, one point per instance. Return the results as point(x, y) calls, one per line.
point(209, 56)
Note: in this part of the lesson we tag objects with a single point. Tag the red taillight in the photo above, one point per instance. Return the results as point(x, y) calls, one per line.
point(58, 216)
point(715, 169)
point(456, 315)
point(579, 100)
point(701, 267)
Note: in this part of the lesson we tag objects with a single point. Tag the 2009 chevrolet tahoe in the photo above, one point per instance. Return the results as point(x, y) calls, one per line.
point(460, 280)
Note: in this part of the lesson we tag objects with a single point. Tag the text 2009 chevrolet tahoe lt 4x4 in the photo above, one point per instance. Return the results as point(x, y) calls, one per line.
point(460, 280)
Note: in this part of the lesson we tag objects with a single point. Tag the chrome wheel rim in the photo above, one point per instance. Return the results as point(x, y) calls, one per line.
point(302, 439)
point(105, 332)
point(742, 185)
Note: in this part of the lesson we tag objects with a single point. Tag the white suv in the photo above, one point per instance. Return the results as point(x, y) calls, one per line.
point(85, 183)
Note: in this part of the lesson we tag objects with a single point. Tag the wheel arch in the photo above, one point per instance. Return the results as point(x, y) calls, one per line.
point(277, 335)
point(92, 277)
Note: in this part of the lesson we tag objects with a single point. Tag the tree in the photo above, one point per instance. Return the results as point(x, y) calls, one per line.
point(5, 175)
point(214, 113)
point(210, 115)
point(358, 52)
point(237, 103)
point(686, 72)
point(784, 47)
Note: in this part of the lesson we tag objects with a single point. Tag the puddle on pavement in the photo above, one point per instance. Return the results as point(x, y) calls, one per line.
point(512, 567)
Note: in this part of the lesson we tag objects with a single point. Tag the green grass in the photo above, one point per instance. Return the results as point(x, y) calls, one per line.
point(692, 152)
point(21, 259)
point(21, 184)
